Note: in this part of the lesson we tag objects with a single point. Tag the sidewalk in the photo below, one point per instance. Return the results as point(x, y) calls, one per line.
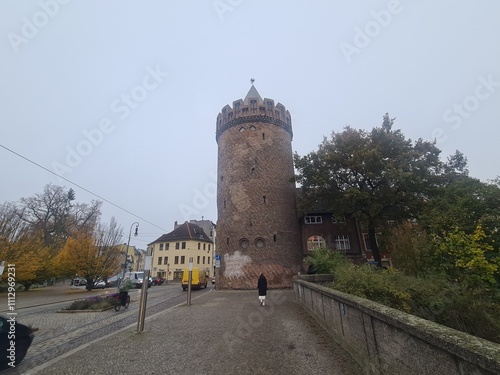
point(222, 332)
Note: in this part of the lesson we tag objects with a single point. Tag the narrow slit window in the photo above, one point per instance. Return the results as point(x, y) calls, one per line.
point(263, 136)
point(264, 199)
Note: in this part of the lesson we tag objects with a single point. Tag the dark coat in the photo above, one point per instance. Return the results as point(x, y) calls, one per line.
point(262, 285)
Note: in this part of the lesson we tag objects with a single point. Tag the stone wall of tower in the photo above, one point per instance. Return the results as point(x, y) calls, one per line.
point(257, 228)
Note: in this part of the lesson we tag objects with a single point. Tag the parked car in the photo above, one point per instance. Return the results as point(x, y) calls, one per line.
point(158, 280)
point(15, 340)
point(79, 281)
point(99, 284)
point(113, 282)
point(136, 279)
point(213, 280)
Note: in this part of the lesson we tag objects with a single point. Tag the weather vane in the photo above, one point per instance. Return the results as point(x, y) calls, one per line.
point(252, 80)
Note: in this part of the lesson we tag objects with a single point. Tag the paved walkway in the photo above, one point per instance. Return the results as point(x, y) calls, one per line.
point(222, 332)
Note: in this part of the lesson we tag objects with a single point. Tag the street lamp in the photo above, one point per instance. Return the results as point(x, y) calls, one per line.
point(128, 244)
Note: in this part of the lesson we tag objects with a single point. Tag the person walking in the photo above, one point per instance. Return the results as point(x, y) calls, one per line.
point(262, 286)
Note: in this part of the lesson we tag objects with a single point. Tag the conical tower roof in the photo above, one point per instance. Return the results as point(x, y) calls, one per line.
point(252, 93)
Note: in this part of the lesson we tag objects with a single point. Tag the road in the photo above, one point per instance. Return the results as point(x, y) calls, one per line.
point(58, 333)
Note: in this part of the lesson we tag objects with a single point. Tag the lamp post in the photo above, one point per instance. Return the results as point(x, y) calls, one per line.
point(168, 273)
point(128, 244)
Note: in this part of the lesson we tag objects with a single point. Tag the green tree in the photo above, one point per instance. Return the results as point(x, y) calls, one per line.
point(463, 257)
point(371, 176)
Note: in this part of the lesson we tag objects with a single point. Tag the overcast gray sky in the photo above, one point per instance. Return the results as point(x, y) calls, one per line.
point(121, 97)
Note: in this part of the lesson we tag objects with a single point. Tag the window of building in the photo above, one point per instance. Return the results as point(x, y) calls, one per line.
point(253, 128)
point(198, 260)
point(274, 237)
point(208, 260)
point(236, 106)
point(313, 219)
point(176, 259)
point(183, 259)
point(165, 260)
point(315, 242)
point(342, 242)
point(159, 260)
point(263, 136)
point(277, 114)
point(203, 260)
point(161, 246)
point(242, 129)
point(230, 116)
point(199, 246)
point(264, 199)
point(245, 111)
point(204, 246)
point(183, 245)
point(253, 105)
point(177, 244)
point(167, 246)
point(208, 247)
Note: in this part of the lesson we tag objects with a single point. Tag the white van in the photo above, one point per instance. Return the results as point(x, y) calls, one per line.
point(137, 278)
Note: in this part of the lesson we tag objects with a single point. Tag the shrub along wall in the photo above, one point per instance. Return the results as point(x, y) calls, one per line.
point(385, 341)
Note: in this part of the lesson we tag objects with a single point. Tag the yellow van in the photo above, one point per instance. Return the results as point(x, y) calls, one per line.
point(198, 278)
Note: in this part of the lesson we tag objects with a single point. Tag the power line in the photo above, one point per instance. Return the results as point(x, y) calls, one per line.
point(81, 187)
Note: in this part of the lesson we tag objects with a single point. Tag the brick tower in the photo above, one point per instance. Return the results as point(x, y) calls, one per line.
point(257, 227)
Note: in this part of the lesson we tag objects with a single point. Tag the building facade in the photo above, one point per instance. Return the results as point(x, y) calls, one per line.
point(172, 251)
point(257, 228)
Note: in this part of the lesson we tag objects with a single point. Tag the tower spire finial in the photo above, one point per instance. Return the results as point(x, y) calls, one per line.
point(252, 80)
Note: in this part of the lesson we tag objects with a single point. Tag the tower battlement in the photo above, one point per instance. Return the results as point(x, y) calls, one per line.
point(253, 109)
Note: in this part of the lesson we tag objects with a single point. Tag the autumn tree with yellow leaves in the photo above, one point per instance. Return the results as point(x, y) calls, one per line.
point(93, 255)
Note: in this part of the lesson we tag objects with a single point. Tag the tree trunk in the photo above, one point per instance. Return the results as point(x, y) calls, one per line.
point(373, 244)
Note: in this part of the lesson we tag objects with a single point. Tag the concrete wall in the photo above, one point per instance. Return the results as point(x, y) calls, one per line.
point(385, 341)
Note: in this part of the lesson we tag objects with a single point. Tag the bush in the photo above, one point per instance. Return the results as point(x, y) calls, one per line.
point(92, 303)
point(476, 312)
point(324, 260)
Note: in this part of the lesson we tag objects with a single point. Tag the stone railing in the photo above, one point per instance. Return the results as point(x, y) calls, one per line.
point(385, 341)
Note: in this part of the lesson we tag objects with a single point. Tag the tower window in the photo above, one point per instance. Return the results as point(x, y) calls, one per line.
point(252, 128)
point(224, 203)
point(253, 170)
point(277, 114)
point(244, 243)
point(263, 136)
point(259, 243)
point(264, 199)
point(274, 238)
point(242, 129)
point(227, 241)
point(253, 105)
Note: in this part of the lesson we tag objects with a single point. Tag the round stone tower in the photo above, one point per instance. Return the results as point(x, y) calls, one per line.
point(257, 227)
